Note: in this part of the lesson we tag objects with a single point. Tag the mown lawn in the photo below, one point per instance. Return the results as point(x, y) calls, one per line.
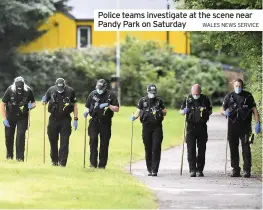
point(37, 185)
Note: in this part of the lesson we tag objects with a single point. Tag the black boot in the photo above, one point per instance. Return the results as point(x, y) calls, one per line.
point(154, 174)
point(20, 160)
point(193, 173)
point(247, 173)
point(54, 164)
point(235, 172)
point(200, 174)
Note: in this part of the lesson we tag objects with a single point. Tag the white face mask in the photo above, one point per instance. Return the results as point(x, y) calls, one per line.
point(238, 90)
point(151, 95)
point(19, 91)
point(99, 91)
point(60, 88)
point(196, 96)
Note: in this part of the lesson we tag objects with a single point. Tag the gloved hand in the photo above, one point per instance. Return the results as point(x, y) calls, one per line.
point(227, 113)
point(44, 99)
point(257, 128)
point(186, 110)
point(103, 105)
point(6, 123)
point(133, 118)
point(75, 124)
point(30, 106)
point(85, 114)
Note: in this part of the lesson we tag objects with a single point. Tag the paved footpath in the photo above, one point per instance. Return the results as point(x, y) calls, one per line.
point(214, 191)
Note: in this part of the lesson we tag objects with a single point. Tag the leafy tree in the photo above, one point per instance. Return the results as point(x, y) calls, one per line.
point(19, 23)
point(201, 48)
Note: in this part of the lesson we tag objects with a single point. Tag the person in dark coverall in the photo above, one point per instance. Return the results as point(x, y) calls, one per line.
point(238, 107)
point(197, 108)
point(16, 103)
point(62, 102)
point(151, 110)
point(100, 105)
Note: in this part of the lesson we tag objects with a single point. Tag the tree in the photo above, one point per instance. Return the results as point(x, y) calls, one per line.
point(205, 50)
point(223, 4)
point(20, 20)
point(19, 23)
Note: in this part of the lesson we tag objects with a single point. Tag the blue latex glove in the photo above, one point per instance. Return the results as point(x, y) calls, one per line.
point(257, 128)
point(186, 110)
point(75, 124)
point(227, 113)
point(85, 114)
point(103, 105)
point(6, 123)
point(132, 118)
point(44, 99)
point(30, 105)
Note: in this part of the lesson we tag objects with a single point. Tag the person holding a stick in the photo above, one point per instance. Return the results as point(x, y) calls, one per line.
point(197, 108)
point(16, 103)
point(62, 102)
point(151, 110)
point(238, 107)
point(100, 105)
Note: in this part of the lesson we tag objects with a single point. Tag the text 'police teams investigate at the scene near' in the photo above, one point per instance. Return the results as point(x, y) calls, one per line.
point(173, 15)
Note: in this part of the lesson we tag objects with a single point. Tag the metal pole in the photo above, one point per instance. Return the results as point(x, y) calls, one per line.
point(167, 32)
point(186, 42)
point(118, 59)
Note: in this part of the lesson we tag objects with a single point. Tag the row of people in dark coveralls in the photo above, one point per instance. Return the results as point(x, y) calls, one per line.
point(101, 104)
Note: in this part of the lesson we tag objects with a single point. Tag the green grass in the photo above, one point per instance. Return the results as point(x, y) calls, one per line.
point(256, 149)
point(216, 109)
point(37, 185)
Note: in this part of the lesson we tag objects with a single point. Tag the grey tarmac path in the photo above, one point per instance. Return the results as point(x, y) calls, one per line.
point(214, 191)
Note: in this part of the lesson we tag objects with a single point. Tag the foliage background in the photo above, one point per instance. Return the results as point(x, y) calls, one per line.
point(142, 63)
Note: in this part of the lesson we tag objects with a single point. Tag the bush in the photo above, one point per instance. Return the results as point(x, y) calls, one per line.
point(142, 63)
point(255, 87)
point(80, 69)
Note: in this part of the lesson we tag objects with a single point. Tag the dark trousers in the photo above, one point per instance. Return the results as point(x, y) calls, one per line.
point(152, 136)
point(55, 128)
point(104, 130)
point(196, 135)
point(21, 124)
point(236, 132)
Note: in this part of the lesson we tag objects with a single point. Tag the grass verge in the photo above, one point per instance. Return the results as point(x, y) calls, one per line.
point(37, 185)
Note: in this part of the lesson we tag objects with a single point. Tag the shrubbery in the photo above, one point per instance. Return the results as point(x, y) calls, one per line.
point(142, 63)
